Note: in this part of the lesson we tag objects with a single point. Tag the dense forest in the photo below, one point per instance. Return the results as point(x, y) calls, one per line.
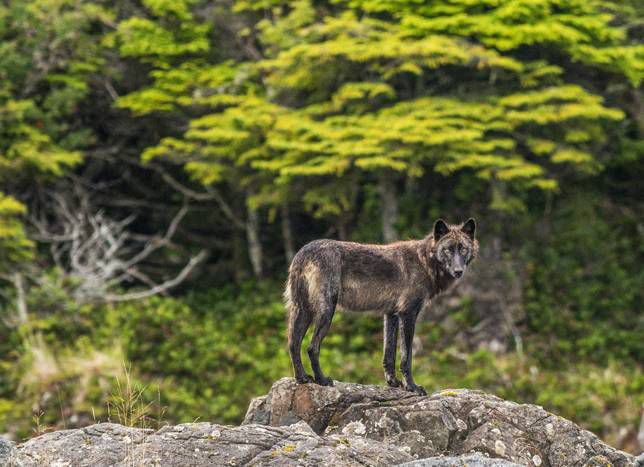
point(161, 161)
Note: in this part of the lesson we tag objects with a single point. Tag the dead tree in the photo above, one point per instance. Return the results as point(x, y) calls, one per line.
point(100, 253)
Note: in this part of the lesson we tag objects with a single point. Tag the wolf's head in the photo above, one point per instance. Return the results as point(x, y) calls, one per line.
point(454, 246)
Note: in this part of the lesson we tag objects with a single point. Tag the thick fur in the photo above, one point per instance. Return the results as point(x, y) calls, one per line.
point(398, 280)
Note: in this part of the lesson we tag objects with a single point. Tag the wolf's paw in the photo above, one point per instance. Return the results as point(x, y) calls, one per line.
point(324, 381)
point(415, 388)
point(304, 379)
point(393, 381)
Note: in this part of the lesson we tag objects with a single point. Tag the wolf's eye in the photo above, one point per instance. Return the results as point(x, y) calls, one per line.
point(463, 251)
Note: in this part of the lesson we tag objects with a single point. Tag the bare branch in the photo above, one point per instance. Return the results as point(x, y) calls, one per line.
point(135, 273)
point(185, 272)
point(158, 242)
point(21, 298)
point(100, 252)
point(110, 89)
point(211, 194)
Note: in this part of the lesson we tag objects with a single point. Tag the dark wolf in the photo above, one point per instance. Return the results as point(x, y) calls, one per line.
point(398, 280)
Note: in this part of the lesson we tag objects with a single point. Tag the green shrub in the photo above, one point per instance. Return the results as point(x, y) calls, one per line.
point(584, 286)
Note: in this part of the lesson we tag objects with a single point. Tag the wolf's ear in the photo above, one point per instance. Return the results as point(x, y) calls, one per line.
point(469, 228)
point(440, 229)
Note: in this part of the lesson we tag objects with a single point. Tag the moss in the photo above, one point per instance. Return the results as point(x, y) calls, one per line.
point(345, 441)
point(598, 461)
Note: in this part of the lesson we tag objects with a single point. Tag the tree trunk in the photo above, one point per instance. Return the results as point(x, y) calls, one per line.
point(254, 244)
point(343, 233)
point(287, 233)
point(21, 298)
point(239, 244)
point(389, 206)
point(239, 257)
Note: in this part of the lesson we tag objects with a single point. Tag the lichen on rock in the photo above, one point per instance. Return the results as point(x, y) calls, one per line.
point(452, 422)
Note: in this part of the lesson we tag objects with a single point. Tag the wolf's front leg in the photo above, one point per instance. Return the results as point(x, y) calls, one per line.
point(389, 350)
point(407, 328)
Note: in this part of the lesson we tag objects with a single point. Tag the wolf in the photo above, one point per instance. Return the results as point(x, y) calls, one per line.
point(397, 280)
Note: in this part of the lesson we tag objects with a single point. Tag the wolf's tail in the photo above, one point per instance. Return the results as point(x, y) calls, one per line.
point(296, 293)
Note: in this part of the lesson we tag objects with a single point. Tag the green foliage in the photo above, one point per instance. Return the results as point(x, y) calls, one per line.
point(185, 85)
point(24, 147)
point(217, 144)
point(175, 44)
point(587, 310)
point(48, 53)
point(14, 245)
point(441, 88)
point(581, 29)
point(171, 32)
point(206, 350)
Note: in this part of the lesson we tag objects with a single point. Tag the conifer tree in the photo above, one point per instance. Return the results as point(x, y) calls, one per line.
point(48, 54)
point(373, 92)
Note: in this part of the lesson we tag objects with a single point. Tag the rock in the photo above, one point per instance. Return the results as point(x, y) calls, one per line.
point(346, 424)
point(450, 423)
point(639, 461)
point(101, 445)
point(204, 444)
point(470, 460)
point(8, 453)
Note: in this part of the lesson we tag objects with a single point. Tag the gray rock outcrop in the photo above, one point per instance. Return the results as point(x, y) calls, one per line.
point(344, 425)
point(468, 460)
point(450, 423)
point(8, 453)
point(204, 444)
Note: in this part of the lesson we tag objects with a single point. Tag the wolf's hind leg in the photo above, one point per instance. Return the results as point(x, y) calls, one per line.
point(389, 350)
point(321, 328)
point(299, 322)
